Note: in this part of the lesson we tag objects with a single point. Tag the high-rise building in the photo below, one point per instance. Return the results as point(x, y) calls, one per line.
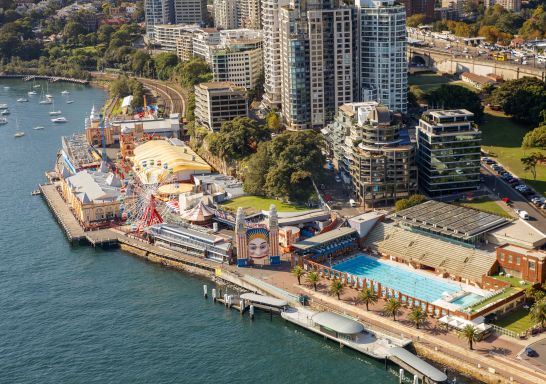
point(217, 102)
point(272, 51)
point(226, 14)
point(381, 66)
point(373, 153)
point(190, 11)
point(424, 7)
point(157, 12)
point(448, 152)
point(330, 62)
point(250, 14)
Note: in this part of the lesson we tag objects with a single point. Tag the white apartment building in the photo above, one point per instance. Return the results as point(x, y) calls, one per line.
point(250, 14)
point(272, 51)
point(226, 14)
point(157, 12)
point(217, 102)
point(166, 35)
point(381, 53)
point(510, 5)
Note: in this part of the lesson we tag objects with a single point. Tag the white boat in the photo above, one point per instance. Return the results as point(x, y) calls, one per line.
point(46, 101)
point(6, 88)
point(19, 134)
point(48, 96)
point(3, 120)
point(5, 112)
point(59, 120)
point(36, 86)
point(65, 92)
point(55, 113)
point(38, 128)
point(69, 101)
point(31, 93)
point(22, 100)
point(3, 106)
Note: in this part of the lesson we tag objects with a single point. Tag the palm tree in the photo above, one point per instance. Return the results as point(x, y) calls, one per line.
point(529, 292)
point(336, 288)
point(418, 316)
point(469, 333)
point(538, 312)
point(367, 296)
point(392, 307)
point(313, 278)
point(298, 272)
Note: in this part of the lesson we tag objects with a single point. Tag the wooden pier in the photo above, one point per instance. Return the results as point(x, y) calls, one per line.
point(51, 79)
point(73, 230)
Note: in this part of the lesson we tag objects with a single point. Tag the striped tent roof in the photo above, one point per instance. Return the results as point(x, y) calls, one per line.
point(199, 213)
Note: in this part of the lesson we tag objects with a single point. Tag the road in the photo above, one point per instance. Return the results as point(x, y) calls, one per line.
point(503, 189)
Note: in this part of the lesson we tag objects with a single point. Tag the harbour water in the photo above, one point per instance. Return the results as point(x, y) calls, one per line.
point(74, 314)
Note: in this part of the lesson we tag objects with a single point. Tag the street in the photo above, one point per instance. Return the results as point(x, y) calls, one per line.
point(503, 189)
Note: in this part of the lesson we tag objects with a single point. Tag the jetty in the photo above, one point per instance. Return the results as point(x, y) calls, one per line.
point(51, 79)
point(351, 333)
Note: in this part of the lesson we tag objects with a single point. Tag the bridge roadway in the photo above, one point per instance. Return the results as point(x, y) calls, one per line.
point(442, 61)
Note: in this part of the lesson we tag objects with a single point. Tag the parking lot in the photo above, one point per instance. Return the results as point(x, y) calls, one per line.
point(505, 187)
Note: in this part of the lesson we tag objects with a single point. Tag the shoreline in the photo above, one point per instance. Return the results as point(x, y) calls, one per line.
point(214, 271)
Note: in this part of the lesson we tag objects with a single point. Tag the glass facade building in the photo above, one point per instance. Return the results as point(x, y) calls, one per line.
point(448, 147)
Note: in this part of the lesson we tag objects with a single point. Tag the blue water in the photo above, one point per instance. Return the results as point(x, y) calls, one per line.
point(467, 300)
point(74, 314)
point(400, 279)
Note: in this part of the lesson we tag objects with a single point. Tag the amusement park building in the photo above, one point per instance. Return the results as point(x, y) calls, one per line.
point(94, 196)
point(154, 157)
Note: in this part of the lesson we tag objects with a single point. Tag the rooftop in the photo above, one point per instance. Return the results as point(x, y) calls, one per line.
point(338, 323)
point(92, 187)
point(518, 232)
point(324, 238)
point(220, 85)
point(476, 78)
point(175, 231)
point(449, 220)
point(524, 251)
point(266, 300)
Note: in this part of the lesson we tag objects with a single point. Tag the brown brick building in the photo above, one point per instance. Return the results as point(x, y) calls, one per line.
point(527, 264)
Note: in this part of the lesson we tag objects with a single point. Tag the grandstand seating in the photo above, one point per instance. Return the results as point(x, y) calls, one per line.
point(442, 255)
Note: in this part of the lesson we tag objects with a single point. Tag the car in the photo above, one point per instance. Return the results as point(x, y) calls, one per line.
point(513, 181)
point(490, 161)
point(535, 200)
point(485, 158)
point(527, 192)
point(530, 352)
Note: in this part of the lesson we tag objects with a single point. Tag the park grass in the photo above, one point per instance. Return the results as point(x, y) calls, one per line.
point(502, 138)
point(468, 86)
point(515, 281)
point(257, 203)
point(485, 204)
point(428, 81)
point(517, 321)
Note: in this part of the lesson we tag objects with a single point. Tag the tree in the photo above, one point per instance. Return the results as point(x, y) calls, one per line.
point(530, 292)
point(367, 296)
point(538, 312)
point(273, 121)
point(392, 307)
point(165, 63)
point(139, 61)
point(409, 202)
point(535, 26)
point(470, 334)
point(285, 166)
point(524, 99)
point(535, 138)
point(417, 316)
point(337, 288)
point(538, 295)
point(237, 138)
point(454, 96)
point(313, 278)
point(298, 272)
point(416, 20)
point(193, 72)
point(416, 95)
point(530, 162)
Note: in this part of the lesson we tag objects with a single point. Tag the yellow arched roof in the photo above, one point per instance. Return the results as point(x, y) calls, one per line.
point(177, 157)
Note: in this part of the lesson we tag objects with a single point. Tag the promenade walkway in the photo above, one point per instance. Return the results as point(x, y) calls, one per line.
point(496, 354)
point(62, 212)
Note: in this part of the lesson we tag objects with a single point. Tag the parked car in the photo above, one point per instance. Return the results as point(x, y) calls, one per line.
point(523, 214)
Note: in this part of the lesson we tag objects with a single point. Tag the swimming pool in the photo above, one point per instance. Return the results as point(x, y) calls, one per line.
point(403, 280)
point(467, 300)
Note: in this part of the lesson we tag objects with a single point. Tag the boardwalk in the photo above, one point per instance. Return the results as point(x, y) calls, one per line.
point(52, 79)
point(62, 212)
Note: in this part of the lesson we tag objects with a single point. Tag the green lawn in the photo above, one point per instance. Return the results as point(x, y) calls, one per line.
point(504, 294)
point(485, 204)
point(516, 321)
point(428, 81)
point(515, 281)
point(257, 203)
point(465, 85)
point(502, 139)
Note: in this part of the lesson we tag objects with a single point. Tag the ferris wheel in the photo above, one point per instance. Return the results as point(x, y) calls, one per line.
point(150, 197)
